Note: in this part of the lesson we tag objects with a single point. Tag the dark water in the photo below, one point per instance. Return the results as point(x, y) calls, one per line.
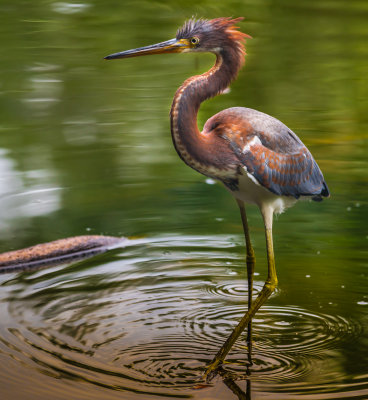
point(85, 148)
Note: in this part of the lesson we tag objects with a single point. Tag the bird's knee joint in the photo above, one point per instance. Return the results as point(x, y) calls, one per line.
point(271, 284)
point(251, 258)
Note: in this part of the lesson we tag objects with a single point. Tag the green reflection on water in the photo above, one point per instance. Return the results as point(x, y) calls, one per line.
point(86, 144)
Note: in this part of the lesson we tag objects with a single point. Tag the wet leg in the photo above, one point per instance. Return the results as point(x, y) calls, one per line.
point(265, 293)
point(250, 260)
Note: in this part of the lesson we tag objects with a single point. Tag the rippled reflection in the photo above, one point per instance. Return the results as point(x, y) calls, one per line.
point(86, 148)
point(148, 319)
point(29, 194)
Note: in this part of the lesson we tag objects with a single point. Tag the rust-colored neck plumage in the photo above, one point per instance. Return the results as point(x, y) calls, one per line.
point(202, 151)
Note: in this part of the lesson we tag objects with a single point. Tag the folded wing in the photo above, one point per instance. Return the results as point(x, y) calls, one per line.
point(294, 174)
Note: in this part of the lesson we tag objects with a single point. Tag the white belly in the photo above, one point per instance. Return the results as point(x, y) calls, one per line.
point(253, 193)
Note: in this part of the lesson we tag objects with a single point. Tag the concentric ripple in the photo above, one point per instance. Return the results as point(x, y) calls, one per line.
point(288, 340)
point(234, 289)
point(147, 320)
point(295, 329)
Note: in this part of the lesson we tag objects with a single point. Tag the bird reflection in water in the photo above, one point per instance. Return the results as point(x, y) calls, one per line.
point(229, 381)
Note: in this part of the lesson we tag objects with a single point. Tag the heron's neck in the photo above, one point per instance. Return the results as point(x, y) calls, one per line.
point(200, 151)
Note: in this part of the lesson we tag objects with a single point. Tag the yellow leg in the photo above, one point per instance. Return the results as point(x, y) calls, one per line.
point(250, 260)
point(265, 293)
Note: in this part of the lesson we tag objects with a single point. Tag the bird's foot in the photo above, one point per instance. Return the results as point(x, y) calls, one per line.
point(212, 370)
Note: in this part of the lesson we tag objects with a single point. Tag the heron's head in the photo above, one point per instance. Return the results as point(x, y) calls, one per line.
point(215, 35)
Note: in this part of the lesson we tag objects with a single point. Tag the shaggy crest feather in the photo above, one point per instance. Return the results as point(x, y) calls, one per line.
point(217, 28)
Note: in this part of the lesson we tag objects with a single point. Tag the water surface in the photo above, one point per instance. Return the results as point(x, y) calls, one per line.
point(85, 148)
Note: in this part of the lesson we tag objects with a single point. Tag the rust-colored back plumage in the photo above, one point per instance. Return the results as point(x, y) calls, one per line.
point(274, 156)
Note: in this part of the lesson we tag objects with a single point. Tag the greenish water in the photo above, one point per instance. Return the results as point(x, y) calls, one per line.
point(85, 148)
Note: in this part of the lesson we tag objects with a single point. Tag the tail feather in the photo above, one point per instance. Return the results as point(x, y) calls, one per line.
point(324, 193)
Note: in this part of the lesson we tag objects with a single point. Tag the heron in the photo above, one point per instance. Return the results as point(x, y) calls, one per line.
point(258, 159)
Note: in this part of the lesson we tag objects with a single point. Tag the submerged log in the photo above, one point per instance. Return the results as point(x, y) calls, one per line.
point(60, 251)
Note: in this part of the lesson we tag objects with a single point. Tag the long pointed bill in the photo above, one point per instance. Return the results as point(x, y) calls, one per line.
point(170, 46)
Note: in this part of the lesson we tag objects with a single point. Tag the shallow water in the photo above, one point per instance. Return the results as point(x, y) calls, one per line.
point(85, 148)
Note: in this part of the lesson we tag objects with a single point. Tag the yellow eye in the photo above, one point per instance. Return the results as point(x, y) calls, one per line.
point(194, 40)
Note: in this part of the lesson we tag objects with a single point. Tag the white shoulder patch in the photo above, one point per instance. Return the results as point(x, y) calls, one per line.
point(251, 177)
point(255, 140)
